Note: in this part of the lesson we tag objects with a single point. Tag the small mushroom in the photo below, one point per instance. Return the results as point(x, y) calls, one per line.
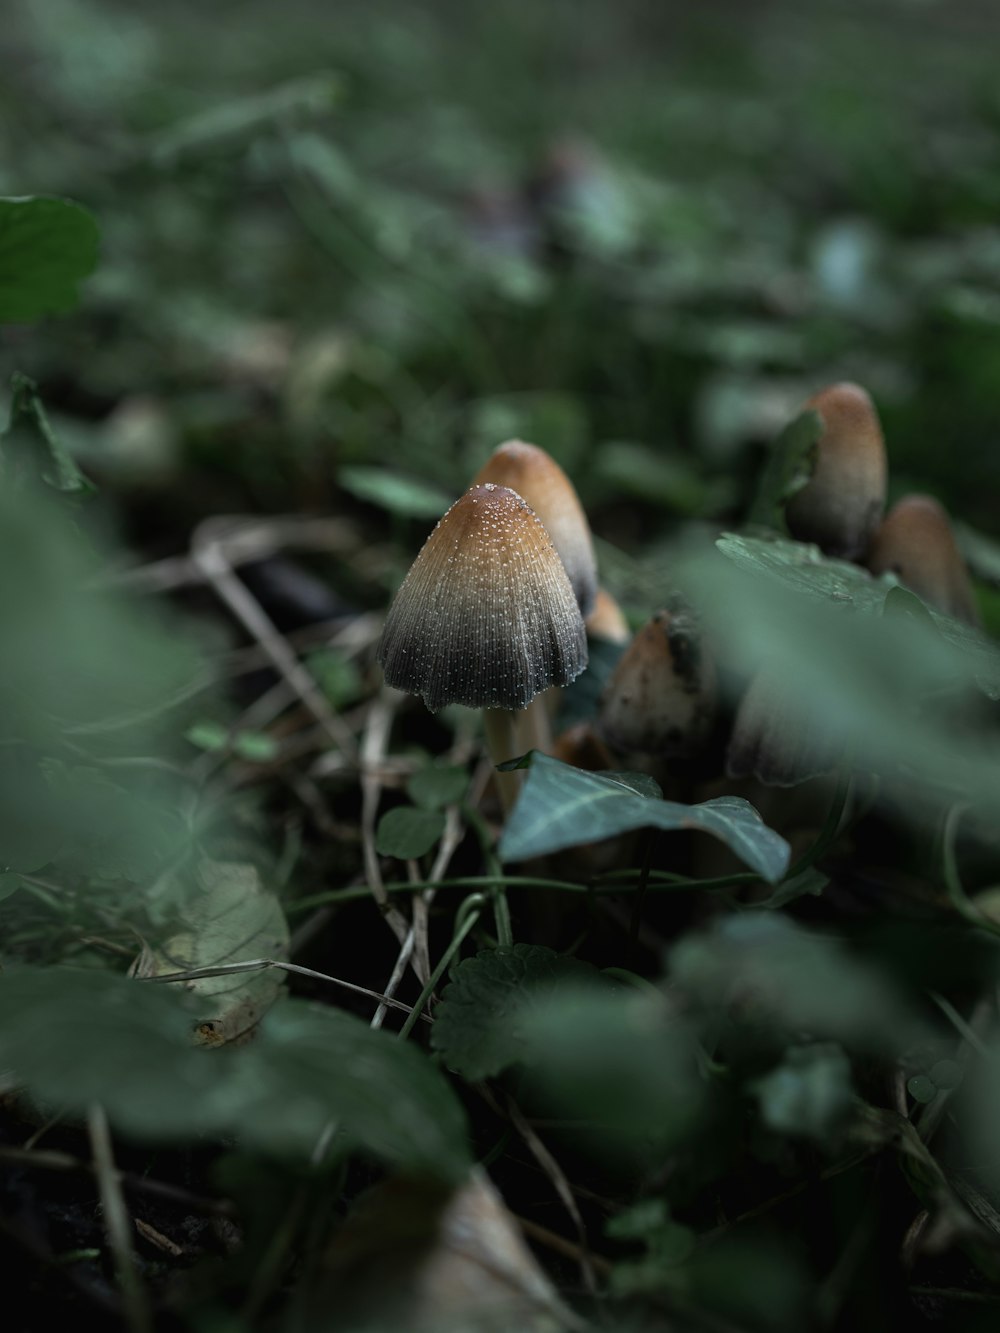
point(606, 621)
point(486, 617)
point(530, 472)
point(840, 506)
point(916, 543)
point(661, 696)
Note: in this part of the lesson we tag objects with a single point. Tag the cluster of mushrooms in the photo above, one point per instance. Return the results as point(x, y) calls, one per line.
point(496, 610)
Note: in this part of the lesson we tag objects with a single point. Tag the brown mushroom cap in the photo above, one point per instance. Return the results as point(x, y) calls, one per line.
point(661, 696)
point(486, 616)
point(916, 543)
point(840, 506)
point(530, 472)
point(606, 620)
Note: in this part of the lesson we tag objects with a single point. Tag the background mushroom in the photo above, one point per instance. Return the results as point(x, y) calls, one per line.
point(916, 543)
point(840, 506)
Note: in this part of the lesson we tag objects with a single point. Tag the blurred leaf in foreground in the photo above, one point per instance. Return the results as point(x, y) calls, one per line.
point(46, 247)
point(789, 466)
point(73, 1038)
point(562, 806)
point(230, 918)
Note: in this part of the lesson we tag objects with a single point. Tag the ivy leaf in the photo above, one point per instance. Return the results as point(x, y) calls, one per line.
point(47, 246)
point(408, 832)
point(789, 466)
point(479, 1026)
point(231, 918)
point(562, 806)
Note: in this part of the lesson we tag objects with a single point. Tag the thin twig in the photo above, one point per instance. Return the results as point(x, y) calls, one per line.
point(561, 1185)
point(44, 1159)
point(373, 747)
point(135, 1300)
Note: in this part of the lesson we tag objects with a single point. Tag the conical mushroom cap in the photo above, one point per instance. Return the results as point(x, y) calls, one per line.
point(661, 695)
point(486, 616)
point(916, 543)
point(530, 472)
point(840, 506)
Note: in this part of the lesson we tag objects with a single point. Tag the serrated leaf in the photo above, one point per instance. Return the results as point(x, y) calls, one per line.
point(408, 832)
point(47, 246)
point(230, 918)
point(561, 806)
point(789, 466)
point(405, 496)
point(479, 1026)
point(437, 786)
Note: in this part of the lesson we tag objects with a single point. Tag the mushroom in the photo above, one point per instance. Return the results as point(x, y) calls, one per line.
point(916, 543)
point(840, 506)
point(530, 472)
point(661, 696)
point(606, 620)
point(486, 617)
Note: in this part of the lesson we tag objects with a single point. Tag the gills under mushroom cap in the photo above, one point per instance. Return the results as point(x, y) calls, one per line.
point(486, 617)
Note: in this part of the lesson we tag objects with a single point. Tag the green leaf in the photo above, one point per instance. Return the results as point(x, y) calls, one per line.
point(75, 1037)
point(773, 974)
point(809, 1094)
point(404, 496)
point(10, 882)
point(47, 246)
point(479, 1026)
point(437, 786)
point(562, 806)
point(921, 1089)
point(789, 466)
point(408, 832)
point(31, 449)
point(620, 1060)
point(809, 881)
point(229, 919)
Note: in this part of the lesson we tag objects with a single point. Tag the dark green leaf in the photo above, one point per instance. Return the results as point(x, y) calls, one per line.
point(46, 247)
point(479, 1026)
point(30, 449)
point(921, 1088)
point(789, 466)
point(810, 881)
point(405, 496)
point(10, 882)
point(562, 806)
point(437, 786)
point(408, 832)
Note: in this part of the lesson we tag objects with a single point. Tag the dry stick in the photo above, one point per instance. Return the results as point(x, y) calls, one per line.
point(45, 1159)
point(260, 964)
point(209, 552)
point(561, 1245)
point(116, 1219)
point(373, 746)
point(561, 1185)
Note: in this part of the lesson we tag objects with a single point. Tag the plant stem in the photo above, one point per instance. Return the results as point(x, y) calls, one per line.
point(468, 914)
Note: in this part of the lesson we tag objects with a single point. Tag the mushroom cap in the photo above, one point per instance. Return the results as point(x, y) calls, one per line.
point(916, 543)
point(530, 472)
point(486, 616)
point(840, 506)
point(660, 697)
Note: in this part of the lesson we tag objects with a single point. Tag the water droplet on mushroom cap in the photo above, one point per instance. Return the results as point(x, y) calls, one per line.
point(486, 617)
point(533, 474)
point(840, 506)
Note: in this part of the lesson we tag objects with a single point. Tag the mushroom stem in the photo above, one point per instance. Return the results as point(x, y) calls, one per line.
point(533, 725)
point(499, 726)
